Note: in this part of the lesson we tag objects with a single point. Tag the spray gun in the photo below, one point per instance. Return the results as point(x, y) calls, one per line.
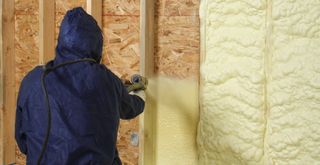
point(136, 83)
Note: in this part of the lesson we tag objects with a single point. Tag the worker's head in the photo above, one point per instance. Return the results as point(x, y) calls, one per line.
point(79, 37)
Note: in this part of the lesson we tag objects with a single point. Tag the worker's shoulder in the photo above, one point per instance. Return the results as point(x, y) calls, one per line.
point(109, 75)
point(30, 84)
point(104, 69)
point(33, 76)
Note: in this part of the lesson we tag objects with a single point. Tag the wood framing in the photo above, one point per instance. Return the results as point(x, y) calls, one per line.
point(47, 30)
point(147, 121)
point(9, 98)
point(1, 89)
point(94, 7)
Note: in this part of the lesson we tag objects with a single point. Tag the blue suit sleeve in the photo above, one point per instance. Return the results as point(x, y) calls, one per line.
point(19, 131)
point(131, 105)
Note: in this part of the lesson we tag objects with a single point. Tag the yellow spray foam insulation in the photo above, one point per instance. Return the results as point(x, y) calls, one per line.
point(260, 82)
point(176, 107)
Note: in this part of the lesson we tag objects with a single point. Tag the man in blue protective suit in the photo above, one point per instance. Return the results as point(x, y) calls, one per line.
point(68, 111)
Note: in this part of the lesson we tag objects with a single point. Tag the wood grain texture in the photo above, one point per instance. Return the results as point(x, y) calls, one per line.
point(121, 44)
point(121, 7)
point(177, 7)
point(94, 8)
point(47, 26)
point(9, 81)
point(147, 119)
point(177, 39)
point(26, 7)
point(1, 89)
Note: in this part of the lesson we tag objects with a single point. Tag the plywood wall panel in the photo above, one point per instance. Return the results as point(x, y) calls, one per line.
point(121, 7)
point(26, 45)
point(27, 7)
point(62, 6)
point(128, 152)
point(121, 44)
point(177, 46)
point(177, 39)
point(177, 8)
point(20, 157)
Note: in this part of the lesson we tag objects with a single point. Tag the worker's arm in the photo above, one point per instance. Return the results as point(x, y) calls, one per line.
point(19, 132)
point(131, 104)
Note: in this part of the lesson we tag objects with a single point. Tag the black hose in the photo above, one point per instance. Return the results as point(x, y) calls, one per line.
point(46, 71)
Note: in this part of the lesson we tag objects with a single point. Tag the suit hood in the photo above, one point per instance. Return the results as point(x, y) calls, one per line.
point(80, 37)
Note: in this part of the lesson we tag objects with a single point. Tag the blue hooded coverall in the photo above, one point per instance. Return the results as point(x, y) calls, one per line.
point(86, 99)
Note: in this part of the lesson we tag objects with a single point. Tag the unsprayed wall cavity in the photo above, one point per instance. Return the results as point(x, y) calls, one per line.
point(260, 92)
point(177, 39)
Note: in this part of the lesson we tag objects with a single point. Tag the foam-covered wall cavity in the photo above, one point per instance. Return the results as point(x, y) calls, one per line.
point(176, 106)
point(260, 82)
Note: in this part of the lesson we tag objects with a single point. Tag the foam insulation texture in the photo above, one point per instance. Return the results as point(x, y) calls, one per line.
point(175, 103)
point(260, 77)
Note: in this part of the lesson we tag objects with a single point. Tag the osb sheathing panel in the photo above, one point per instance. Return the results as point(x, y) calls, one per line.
point(121, 7)
point(26, 45)
point(121, 55)
point(177, 7)
point(177, 39)
point(121, 41)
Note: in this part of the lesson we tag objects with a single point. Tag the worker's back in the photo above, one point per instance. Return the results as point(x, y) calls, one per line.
point(86, 101)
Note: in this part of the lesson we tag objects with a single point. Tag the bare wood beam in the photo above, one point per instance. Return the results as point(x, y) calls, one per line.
point(1, 58)
point(94, 8)
point(47, 30)
point(147, 120)
point(1, 89)
point(9, 98)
